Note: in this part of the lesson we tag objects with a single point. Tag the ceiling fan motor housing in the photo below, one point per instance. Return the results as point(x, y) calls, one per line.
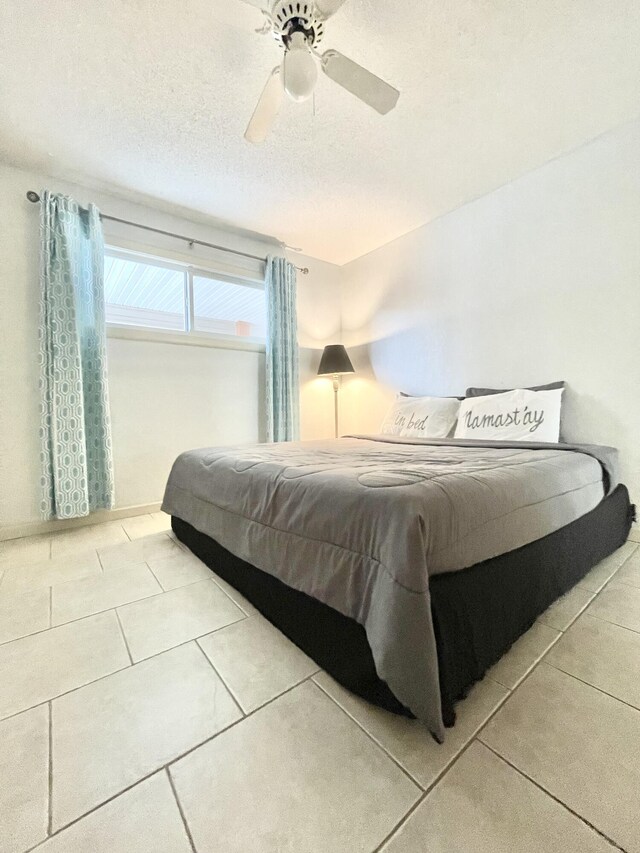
point(291, 16)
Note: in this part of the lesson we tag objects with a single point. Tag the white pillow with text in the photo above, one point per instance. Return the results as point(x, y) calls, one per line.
point(421, 417)
point(519, 415)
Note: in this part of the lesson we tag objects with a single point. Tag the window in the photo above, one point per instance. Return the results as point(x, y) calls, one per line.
point(228, 308)
point(155, 294)
point(144, 293)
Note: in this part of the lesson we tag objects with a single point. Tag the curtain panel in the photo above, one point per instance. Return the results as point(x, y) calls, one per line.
point(75, 429)
point(282, 386)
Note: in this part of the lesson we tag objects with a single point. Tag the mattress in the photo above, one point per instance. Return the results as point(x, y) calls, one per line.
point(362, 523)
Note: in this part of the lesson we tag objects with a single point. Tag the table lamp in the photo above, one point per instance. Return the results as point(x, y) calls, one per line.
point(335, 362)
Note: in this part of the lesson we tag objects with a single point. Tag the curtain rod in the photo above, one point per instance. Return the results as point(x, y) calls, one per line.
point(35, 198)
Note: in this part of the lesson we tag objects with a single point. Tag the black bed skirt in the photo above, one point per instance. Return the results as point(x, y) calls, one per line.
point(478, 613)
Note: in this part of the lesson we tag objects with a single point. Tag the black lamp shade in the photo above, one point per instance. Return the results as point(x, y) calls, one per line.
point(335, 360)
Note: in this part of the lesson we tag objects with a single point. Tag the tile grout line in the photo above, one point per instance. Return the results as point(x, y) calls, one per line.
point(593, 686)
point(122, 668)
point(179, 805)
point(617, 624)
point(574, 619)
point(626, 583)
point(215, 578)
point(167, 765)
point(124, 638)
point(66, 693)
point(50, 768)
point(445, 770)
point(236, 700)
point(552, 796)
point(158, 581)
point(162, 591)
point(533, 665)
point(99, 560)
point(371, 737)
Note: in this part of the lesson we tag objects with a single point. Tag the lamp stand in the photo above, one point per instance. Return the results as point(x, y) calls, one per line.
point(336, 386)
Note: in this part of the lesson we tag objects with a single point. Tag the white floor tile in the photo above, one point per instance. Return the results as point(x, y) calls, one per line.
point(143, 525)
point(630, 571)
point(618, 603)
point(297, 775)
point(577, 743)
point(111, 734)
point(144, 819)
point(178, 569)
point(141, 550)
point(91, 536)
point(162, 517)
point(602, 654)
point(37, 668)
point(83, 597)
point(634, 533)
point(484, 806)
point(563, 611)
point(523, 655)
point(408, 741)
point(23, 613)
point(256, 661)
point(166, 620)
point(600, 574)
point(49, 572)
point(239, 599)
point(29, 549)
point(24, 780)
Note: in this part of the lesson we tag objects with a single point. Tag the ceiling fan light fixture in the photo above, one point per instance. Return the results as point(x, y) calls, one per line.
point(298, 28)
point(300, 69)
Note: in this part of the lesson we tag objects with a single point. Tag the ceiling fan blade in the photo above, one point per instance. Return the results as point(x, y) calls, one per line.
point(240, 14)
point(327, 8)
point(360, 82)
point(267, 109)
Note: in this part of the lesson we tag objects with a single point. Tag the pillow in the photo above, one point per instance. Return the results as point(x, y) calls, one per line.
point(413, 396)
point(484, 392)
point(421, 417)
point(520, 415)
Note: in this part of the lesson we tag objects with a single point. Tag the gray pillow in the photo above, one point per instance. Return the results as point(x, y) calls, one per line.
point(448, 397)
point(485, 392)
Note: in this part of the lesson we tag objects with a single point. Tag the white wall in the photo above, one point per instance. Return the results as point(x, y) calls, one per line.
point(538, 281)
point(164, 397)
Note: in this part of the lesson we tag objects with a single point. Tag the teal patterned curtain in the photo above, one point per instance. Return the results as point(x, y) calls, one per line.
point(75, 430)
point(282, 351)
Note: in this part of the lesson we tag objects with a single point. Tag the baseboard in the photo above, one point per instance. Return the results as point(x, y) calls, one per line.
point(34, 528)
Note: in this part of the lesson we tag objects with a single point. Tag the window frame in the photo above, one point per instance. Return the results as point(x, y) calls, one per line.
point(189, 334)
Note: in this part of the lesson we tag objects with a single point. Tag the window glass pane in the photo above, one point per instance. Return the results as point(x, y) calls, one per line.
point(142, 293)
point(227, 308)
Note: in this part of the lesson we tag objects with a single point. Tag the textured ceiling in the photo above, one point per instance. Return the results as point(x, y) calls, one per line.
point(152, 97)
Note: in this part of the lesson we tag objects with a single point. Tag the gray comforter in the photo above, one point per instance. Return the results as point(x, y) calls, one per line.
point(361, 523)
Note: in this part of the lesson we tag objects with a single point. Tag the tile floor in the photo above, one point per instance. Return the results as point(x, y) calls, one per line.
point(147, 707)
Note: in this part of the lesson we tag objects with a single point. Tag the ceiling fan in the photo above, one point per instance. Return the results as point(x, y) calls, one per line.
point(298, 26)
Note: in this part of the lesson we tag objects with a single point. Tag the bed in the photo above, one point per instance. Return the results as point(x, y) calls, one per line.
point(404, 567)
